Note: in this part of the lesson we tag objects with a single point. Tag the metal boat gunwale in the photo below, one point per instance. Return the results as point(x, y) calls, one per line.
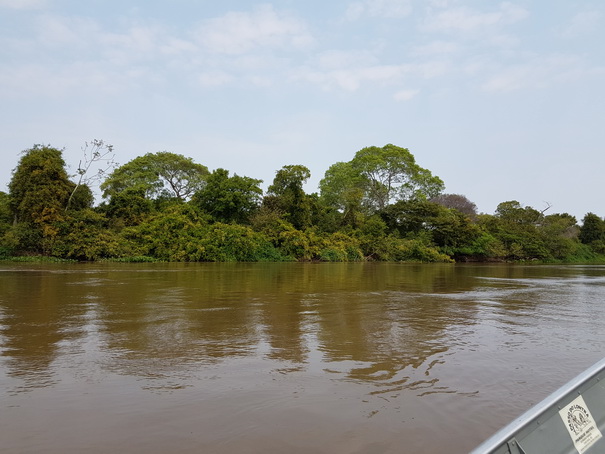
point(507, 434)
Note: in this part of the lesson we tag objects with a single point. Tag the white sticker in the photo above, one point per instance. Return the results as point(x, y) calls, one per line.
point(580, 424)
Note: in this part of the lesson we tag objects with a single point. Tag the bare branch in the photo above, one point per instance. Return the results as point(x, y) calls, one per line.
point(96, 153)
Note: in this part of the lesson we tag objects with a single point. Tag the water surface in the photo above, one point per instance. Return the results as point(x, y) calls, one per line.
point(276, 358)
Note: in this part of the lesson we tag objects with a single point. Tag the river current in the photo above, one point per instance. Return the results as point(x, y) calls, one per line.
point(285, 358)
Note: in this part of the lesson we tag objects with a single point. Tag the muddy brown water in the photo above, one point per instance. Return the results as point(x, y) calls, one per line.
point(285, 358)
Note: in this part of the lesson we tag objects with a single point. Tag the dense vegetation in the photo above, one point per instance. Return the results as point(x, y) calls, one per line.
point(381, 205)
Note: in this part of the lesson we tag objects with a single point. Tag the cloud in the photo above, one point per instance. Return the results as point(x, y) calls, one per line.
point(139, 42)
point(65, 32)
point(435, 48)
point(334, 59)
point(464, 19)
point(214, 79)
point(353, 78)
point(405, 95)
point(538, 74)
point(251, 47)
point(39, 79)
point(350, 79)
point(241, 32)
point(23, 4)
point(583, 23)
point(378, 8)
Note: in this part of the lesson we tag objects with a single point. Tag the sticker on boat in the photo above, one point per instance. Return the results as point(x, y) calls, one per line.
point(580, 424)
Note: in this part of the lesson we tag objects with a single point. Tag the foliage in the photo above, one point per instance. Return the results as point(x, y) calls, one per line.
point(39, 188)
point(339, 247)
point(372, 238)
point(391, 174)
point(287, 196)
point(592, 232)
point(237, 243)
point(378, 206)
point(518, 232)
point(524, 233)
point(229, 199)
point(38, 195)
point(325, 218)
point(414, 250)
point(38, 259)
point(342, 188)
point(84, 236)
point(173, 235)
point(127, 208)
point(6, 217)
point(161, 174)
point(377, 177)
point(457, 202)
point(512, 212)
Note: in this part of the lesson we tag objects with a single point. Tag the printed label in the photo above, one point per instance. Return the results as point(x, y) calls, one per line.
point(580, 424)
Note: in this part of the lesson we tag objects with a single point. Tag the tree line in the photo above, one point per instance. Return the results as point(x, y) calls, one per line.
point(381, 205)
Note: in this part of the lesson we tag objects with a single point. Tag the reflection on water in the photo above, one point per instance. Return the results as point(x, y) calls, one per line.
point(336, 358)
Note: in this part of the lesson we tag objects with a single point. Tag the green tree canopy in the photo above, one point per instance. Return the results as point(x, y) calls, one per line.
point(40, 188)
point(592, 230)
point(343, 188)
point(161, 174)
point(229, 199)
point(378, 177)
point(289, 179)
point(287, 195)
point(5, 212)
point(38, 195)
point(513, 212)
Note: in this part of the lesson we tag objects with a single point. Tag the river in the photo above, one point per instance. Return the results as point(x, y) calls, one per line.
point(285, 358)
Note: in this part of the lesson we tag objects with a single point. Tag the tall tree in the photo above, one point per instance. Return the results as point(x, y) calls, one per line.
point(39, 187)
point(379, 176)
point(513, 212)
point(229, 199)
point(343, 188)
point(287, 195)
point(457, 202)
point(5, 212)
point(39, 191)
point(592, 229)
point(161, 174)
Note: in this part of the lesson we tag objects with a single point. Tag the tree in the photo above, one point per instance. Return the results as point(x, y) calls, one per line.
point(39, 191)
point(5, 212)
point(391, 174)
point(561, 234)
point(377, 177)
point(39, 187)
point(229, 199)
point(289, 179)
point(287, 195)
point(410, 217)
point(95, 152)
point(5, 223)
point(592, 229)
point(457, 202)
point(513, 212)
point(342, 188)
point(84, 236)
point(519, 229)
point(161, 174)
point(127, 208)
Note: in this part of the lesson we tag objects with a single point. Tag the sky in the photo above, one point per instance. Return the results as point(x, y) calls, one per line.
point(502, 100)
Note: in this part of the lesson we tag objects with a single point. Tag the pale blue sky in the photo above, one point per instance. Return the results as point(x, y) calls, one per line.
point(502, 100)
